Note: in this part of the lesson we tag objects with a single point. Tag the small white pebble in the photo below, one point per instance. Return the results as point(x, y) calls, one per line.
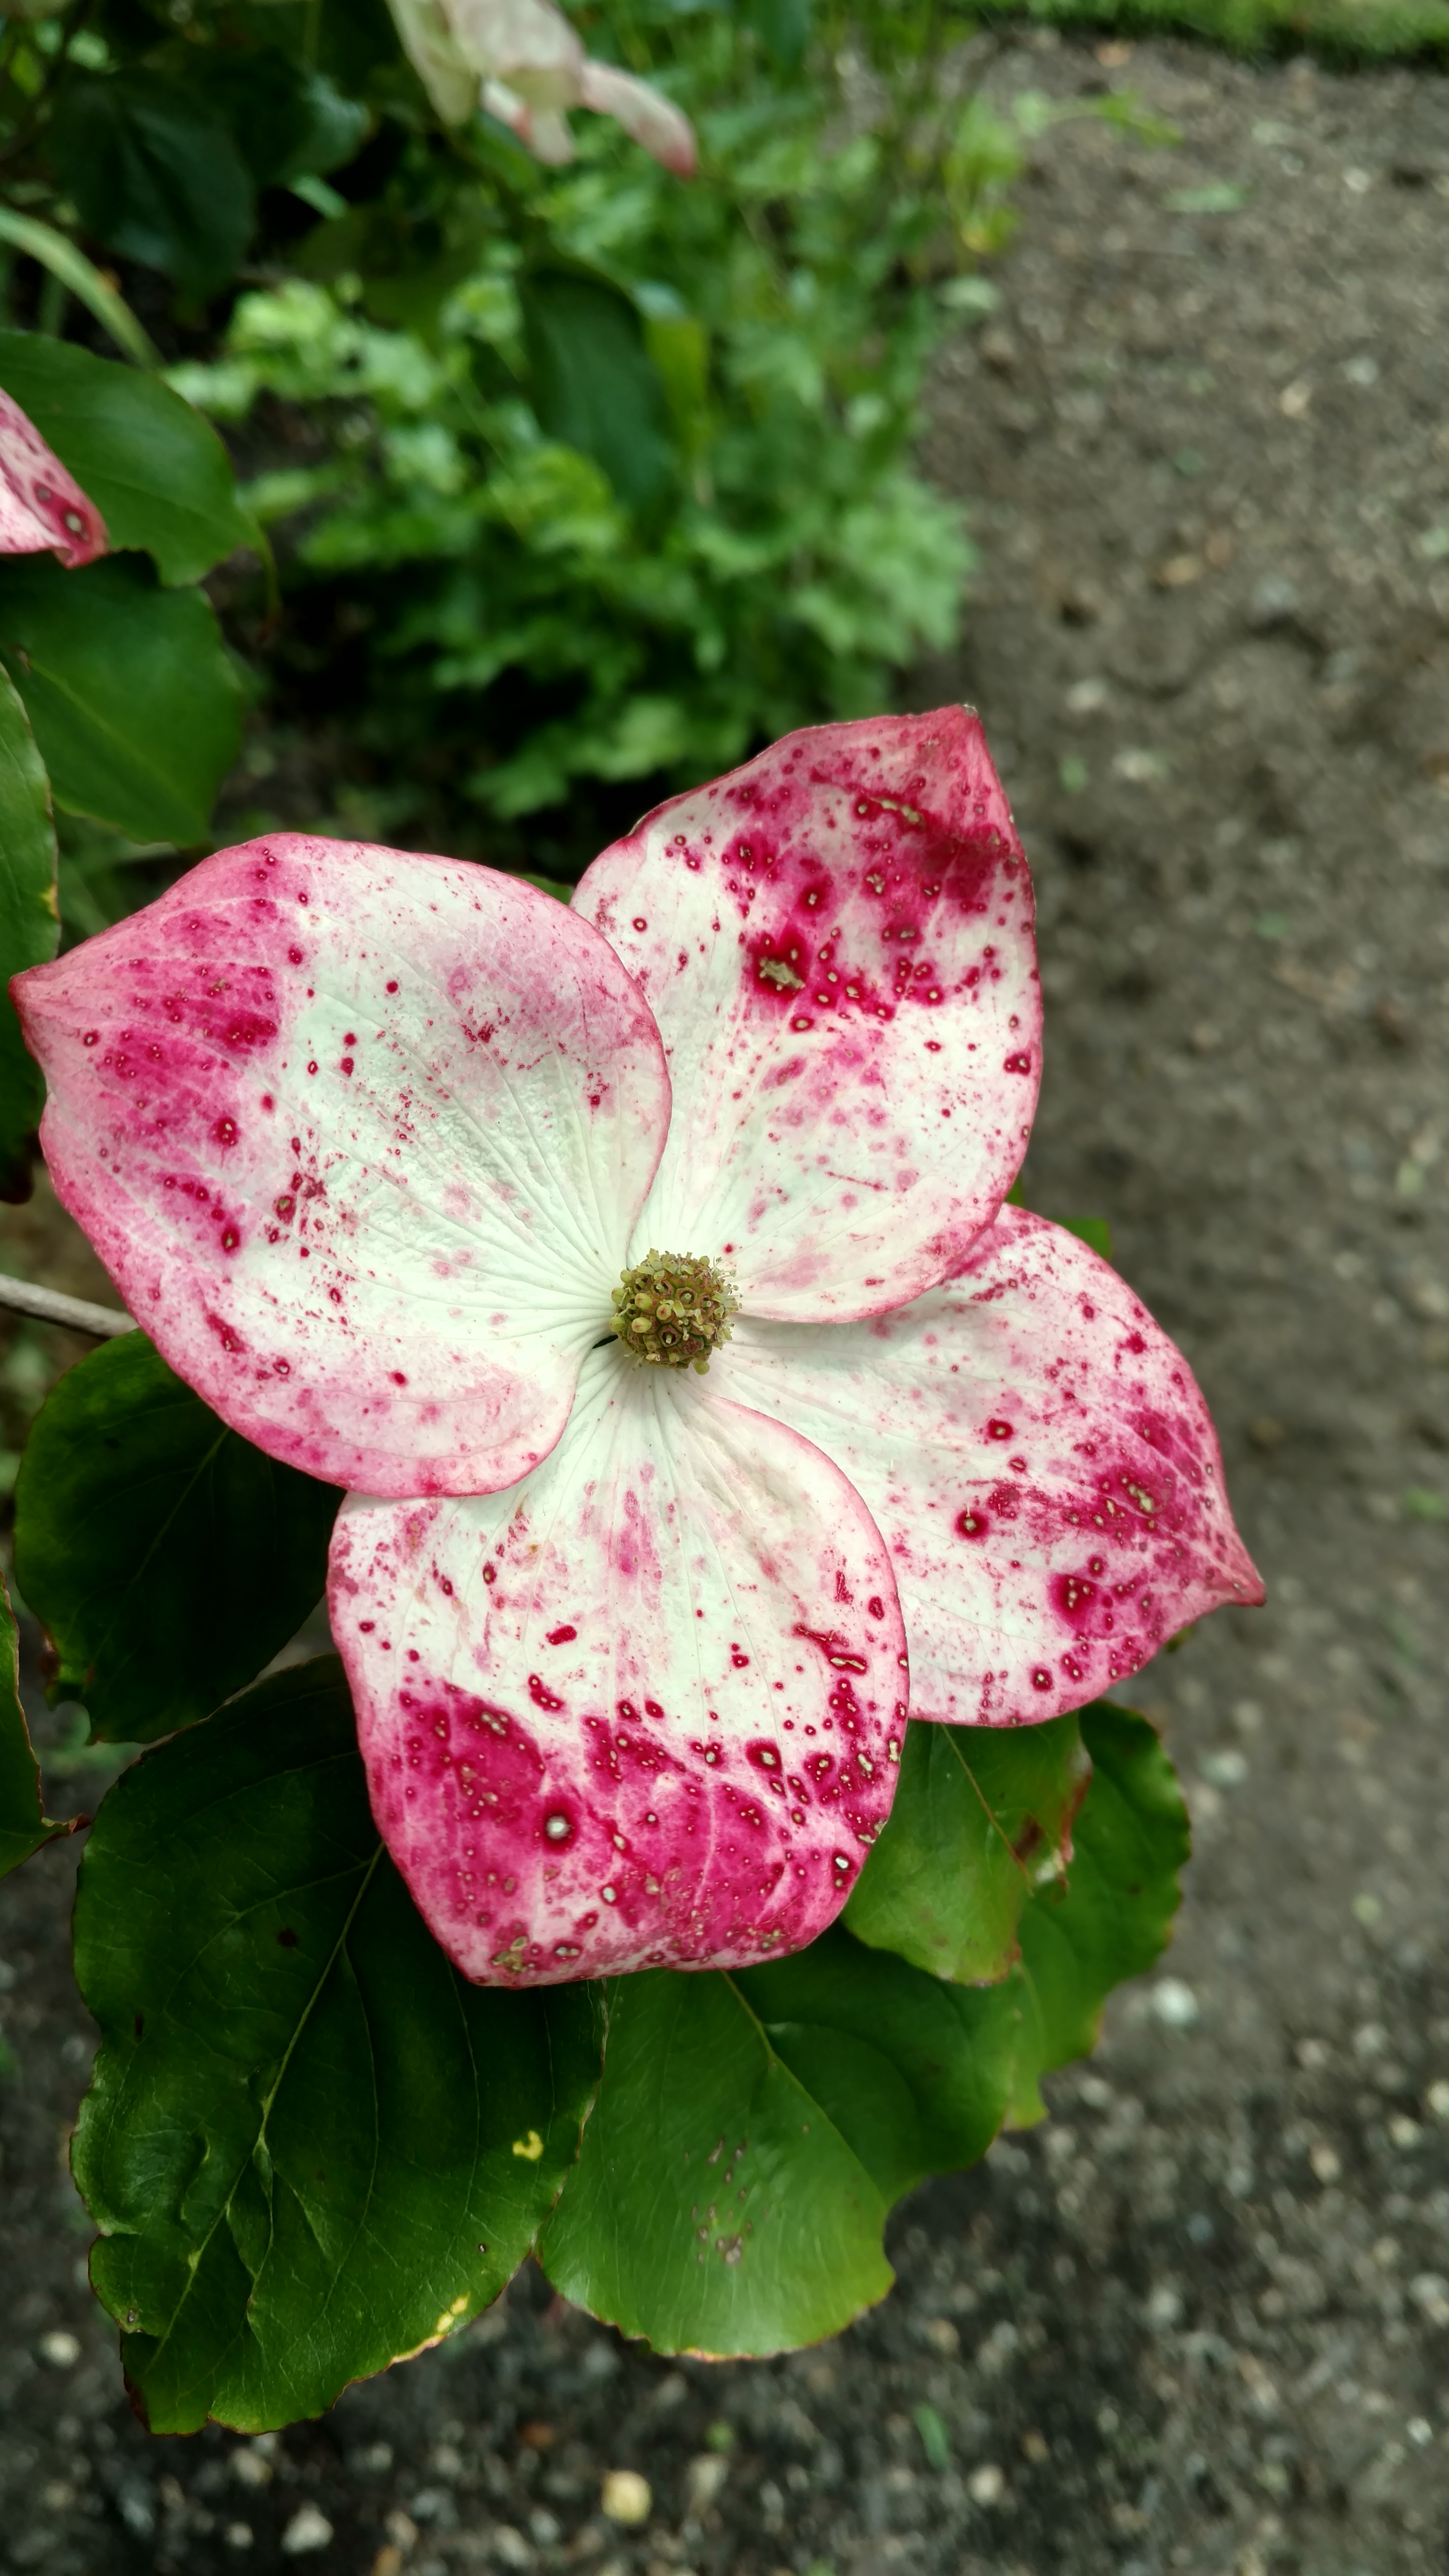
point(986, 2485)
point(1404, 2132)
point(309, 2528)
point(1174, 2002)
point(1438, 2099)
point(251, 2468)
point(238, 2535)
point(61, 2350)
point(1419, 2430)
point(1358, 182)
point(626, 2497)
point(1324, 2161)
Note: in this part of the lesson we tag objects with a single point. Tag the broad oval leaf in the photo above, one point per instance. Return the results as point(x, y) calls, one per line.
point(157, 472)
point(154, 175)
point(134, 703)
point(752, 2130)
point(751, 2133)
point(310, 2147)
point(168, 1559)
point(982, 1818)
point(24, 1825)
point(29, 927)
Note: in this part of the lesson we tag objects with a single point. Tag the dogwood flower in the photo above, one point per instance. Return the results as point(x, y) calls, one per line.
point(41, 506)
point(643, 1269)
point(522, 61)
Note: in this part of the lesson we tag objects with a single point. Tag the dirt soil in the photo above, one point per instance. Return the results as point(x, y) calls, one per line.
point(1201, 2320)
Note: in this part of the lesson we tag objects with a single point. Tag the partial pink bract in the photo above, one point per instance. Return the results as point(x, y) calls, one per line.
point(41, 506)
point(368, 1140)
point(523, 62)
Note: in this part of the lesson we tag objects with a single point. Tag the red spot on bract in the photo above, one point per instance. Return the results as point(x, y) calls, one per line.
point(398, 1378)
point(295, 954)
point(225, 1131)
point(561, 1636)
point(876, 1606)
point(347, 1064)
point(540, 1694)
point(1041, 1680)
point(998, 1430)
point(392, 988)
point(737, 1659)
point(92, 1038)
point(1018, 1064)
point(229, 1238)
point(971, 1523)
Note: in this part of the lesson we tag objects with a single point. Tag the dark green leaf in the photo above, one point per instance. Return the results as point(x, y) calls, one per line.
point(783, 28)
point(980, 1818)
point(594, 383)
point(154, 176)
point(309, 2145)
point(135, 706)
point(168, 1559)
point(29, 927)
point(1129, 1843)
point(23, 1823)
point(156, 471)
point(288, 122)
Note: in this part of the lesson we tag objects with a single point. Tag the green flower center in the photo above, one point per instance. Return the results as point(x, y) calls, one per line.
point(673, 1311)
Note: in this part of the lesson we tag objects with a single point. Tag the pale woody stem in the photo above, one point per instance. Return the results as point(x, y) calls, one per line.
point(76, 1313)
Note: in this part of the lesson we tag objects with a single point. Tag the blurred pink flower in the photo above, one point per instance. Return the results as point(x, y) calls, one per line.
point(643, 1267)
point(40, 504)
point(522, 61)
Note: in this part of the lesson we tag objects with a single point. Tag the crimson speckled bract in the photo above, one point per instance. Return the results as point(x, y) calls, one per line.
point(367, 1141)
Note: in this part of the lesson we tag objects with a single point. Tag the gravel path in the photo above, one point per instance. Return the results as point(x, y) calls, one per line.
point(1200, 2321)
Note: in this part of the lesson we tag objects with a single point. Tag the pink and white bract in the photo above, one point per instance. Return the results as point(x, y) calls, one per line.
point(367, 1142)
point(523, 62)
point(42, 507)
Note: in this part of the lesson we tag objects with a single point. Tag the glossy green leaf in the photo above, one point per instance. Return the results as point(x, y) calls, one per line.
point(168, 1559)
point(24, 1825)
point(594, 384)
point(29, 927)
point(752, 2130)
point(1129, 1843)
point(134, 703)
point(980, 1820)
point(156, 471)
point(309, 2145)
point(154, 175)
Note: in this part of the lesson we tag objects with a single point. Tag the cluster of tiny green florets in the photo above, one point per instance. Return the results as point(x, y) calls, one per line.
point(673, 1311)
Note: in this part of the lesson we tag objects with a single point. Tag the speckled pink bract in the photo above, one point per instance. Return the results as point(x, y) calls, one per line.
point(42, 507)
point(366, 1140)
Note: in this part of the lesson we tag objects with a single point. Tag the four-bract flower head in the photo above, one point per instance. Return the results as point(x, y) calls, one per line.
point(522, 61)
point(644, 1270)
